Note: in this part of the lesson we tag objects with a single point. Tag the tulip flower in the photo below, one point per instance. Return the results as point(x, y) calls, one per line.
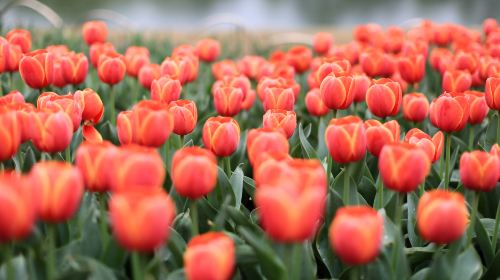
point(279, 98)
point(263, 140)
point(449, 112)
point(185, 116)
point(92, 159)
point(276, 70)
point(241, 82)
point(267, 170)
point(495, 150)
point(383, 98)
point(135, 58)
point(492, 93)
point(93, 108)
point(442, 216)
point(433, 146)
point(13, 97)
point(70, 104)
point(208, 49)
point(415, 106)
point(98, 49)
point(268, 83)
point(322, 42)
point(280, 119)
point(21, 38)
point(412, 68)
point(228, 100)
point(251, 66)
point(166, 89)
point(299, 57)
point(337, 93)
point(37, 69)
point(111, 68)
point(442, 35)
point(345, 139)
point(361, 83)
point(51, 131)
point(356, 234)
point(10, 56)
point(141, 219)
point(194, 159)
point(465, 62)
point(376, 63)
point(94, 32)
point(336, 68)
point(456, 81)
point(148, 74)
point(10, 134)
point(378, 135)
point(314, 103)
point(249, 100)
point(221, 135)
point(224, 68)
point(74, 68)
point(479, 170)
point(175, 68)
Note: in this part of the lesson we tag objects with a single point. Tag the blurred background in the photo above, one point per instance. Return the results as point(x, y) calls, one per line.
point(252, 14)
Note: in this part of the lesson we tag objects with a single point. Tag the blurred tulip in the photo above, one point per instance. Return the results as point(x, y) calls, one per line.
point(176, 69)
point(93, 159)
point(267, 168)
point(492, 93)
point(346, 139)
point(241, 82)
point(384, 98)
point(299, 57)
point(442, 35)
point(221, 135)
point(280, 119)
point(279, 98)
point(432, 146)
point(93, 108)
point(148, 74)
point(21, 38)
point(13, 97)
point(412, 68)
point(337, 93)
point(479, 170)
point(74, 67)
point(495, 150)
point(224, 68)
point(376, 63)
point(322, 42)
point(314, 103)
point(58, 188)
point(111, 68)
point(268, 83)
point(478, 109)
point(364, 32)
point(361, 83)
point(489, 25)
point(228, 100)
point(251, 66)
point(135, 58)
point(456, 81)
point(194, 159)
point(415, 106)
point(52, 131)
point(263, 140)
point(465, 61)
point(141, 219)
point(166, 89)
point(378, 135)
point(10, 57)
point(98, 49)
point(208, 49)
point(185, 116)
point(90, 133)
point(37, 69)
point(10, 134)
point(249, 100)
point(94, 32)
point(356, 234)
point(70, 104)
point(449, 112)
point(442, 216)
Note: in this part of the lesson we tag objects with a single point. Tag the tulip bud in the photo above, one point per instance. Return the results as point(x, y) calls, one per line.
point(21, 38)
point(141, 219)
point(93, 108)
point(221, 135)
point(376, 63)
point(98, 49)
point(345, 139)
point(384, 98)
point(495, 150)
point(412, 68)
point(135, 58)
point(52, 131)
point(361, 83)
point(10, 134)
point(59, 189)
point(13, 97)
point(280, 119)
point(456, 81)
point(465, 61)
point(263, 140)
point(337, 93)
point(299, 57)
point(251, 66)
point(92, 159)
point(148, 74)
point(492, 93)
point(479, 170)
point(356, 234)
point(94, 32)
point(322, 42)
point(10, 56)
point(166, 89)
point(249, 100)
point(415, 106)
point(314, 103)
point(336, 68)
point(208, 49)
point(74, 68)
point(111, 68)
point(210, 256)
point(37, 69)
point(175, 68)
point(279, 98)
point(185, 116)
point(228, 100)
point(194, 159)
point(449, 112)
point(378, 135)
point(224, 68)
point(442, 216)
point(266, 167)
point(432, 146)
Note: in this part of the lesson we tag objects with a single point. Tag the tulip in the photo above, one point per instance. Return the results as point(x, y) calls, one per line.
point(492, 93)
point(276, 70)
point(13, 97)
point(412, 68)
point(10, 56)
point(279, 98)
point(442, 216)
point(364, 32)
point(94, 32)
point(280, 119)
point(478, 109)
point(135, 58)
point(415, 106)
point(264, 140)
point(249, 100)
point(442, 35)
point(224, 68)
point(228, 100)
point(384, 98)
point(37, 69)
point(58, 79)
point(194, 159)
point(93, 108)
point(141, 219)
point(465, 61)
point(456, 81)
point(356, 234)
point(148, 74)
point(268, 83)
point(449, 112)
point(479, 170)
point(10, 134)
point(98, 49)
point(337, 93)
point(489, 25)
point(185, 116)
point(251, 66)
point(21, 38)
point(135, 167)
point(175, 68)
point(221, 135)
point(208, 49)
point(74, 68)
point(377, 64)
point(267, 169)
point(23, 112)
point(432, 146)
point(495, 150)
point(111, 68)
point(345, 139)
point(336, 68)
point(70, 104)
point(361, 83)
point(241, 82)
point(51, 131)
point(92, 159)
point(378, 135)
point(166, 89)
point(314, 103)
point(299, 57)
point(58, 187)
point(322, 42)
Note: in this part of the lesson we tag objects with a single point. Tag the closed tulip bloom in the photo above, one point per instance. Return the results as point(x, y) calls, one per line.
point(356, 234)
point(384, 98)
point(378, 135)
point(194, 159)
point(478, 109)
point(415, 106)
point(314, 103)
point(111, 68)
point(74, 67)
point(337, 93)
point(126, 127)
point(148, 74)
point(376, 63)
point(58, 187)
point(449, 112)
point(221, 135)
point(442, 216)
point(24, 118)
point(175, 68)
point(279, 98)
point(58, 79)
point(280, 119)
point(185, 116)
point(251, 66)
point(136, 167)
point(479, 170)
point(465, 61)
point(166, 89)
point(361, 83)
point(489, 25)
point(224, 68)
point(322, 42)
point(346, 139)
point(18, 211)
point(141, 219)
point(456, 81)
point(21, 38)
point(279, 82)
point(135, 58)
point(10, 133)
point(267, 167)
point(495, 150)
point(93, 159)
point(10, 56)
point(98, 49)
point(228, 100)
point(208, 49)
point(412, 68)
point(51, 131)
point(433, 146)
point(70, 104)
point(263, 140)
point(37, 69)
point(492, 93)
point(336, 68)
point(249, 100)
point(94, 32)
point(240, 82)
point(299, 57)
point(93, 108)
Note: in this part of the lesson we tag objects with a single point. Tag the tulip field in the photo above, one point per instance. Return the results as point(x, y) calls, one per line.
point(127, 156)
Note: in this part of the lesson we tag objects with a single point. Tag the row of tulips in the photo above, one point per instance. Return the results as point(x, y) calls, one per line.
point(294, 211)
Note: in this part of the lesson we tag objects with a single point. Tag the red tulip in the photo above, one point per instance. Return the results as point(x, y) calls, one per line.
point(322, 42)
point(378, 135)
point(51, 131)
point(415, 106)
point(135, 58)
point(361, 83)
point(314, 103)
point(384, 98)
point(432, 146)
point(478, 109)
point(337, 93)
point(70, 104)
point(264, 140)
point(228, 100)
point(492, 93)
point(280, 119)
point(224, 68)
point(10, 133)
point(21, 38)
point(479, 170)
point(10, 56)
point(93, 159)
point(299, 57)
point(148, 74)
point(221, 135)
point(208, 49)
point(98, 49)
point(345, 139)
point(279, 98)
point(93, 108)
point(176, 68)
point(456, 81)
point(251, 66)
point(74, 67)
point(449, 112)
point(412, 68)
point(37, 69)
point(111, 68)
point(185, 116)
point(166, 89)
point(376, 63)
point(94, 32)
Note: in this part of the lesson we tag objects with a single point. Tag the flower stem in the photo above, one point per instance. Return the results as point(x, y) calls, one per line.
point(471, 137)
point(473, 217)
point(111, 101)
point(68, 154)
point(8, 262)
point(51, 254)
point(334, 113)
point(398, 212)
point(495, 230)
point(380, 190)
point(447, 162)
point(329, 163)
point(345, 196)
point(193, 210)
point(354, 273)
point(103, 225)
point(227, 163)
point(137, 266)
point(296, 261)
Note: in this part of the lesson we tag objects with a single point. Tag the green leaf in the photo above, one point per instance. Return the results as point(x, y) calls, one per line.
point(468, 265)
point(176, 246)
point(411, 222)
point(484, 241)
point(321, 148)
point(237, 185)
point(327, 256)
point(493, 268)
point(177, 275)
point(249, 186)
point(307, 148)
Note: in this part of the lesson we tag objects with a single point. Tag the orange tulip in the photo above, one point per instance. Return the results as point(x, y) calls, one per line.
point(93, 108)
point(58, 187)
point(268, 83)
point(376, 63)
point(415, 106)
point(489, 25)
point(314, 103)
point(495, 150)
point(378, 135)
point(58, 79)
point(166, 89)
point(251, 66)
point(70, 104)
point(141, 219)
point(74, 67)
point(492, 93)
point(91, 134)
point(384, 98)
point(279, 98)
point(449, 112)
point(224, 68)
point(210, 256)
point(228, 100)
point(322, 42)
point(280, 119)
point(111, 68)
point(332, 67)
point(37, 69)
point(337, 93)
point(13, 97)
point(18, 211)
point(23, 112)
point(442, 216)
point(479, 170)
point(10, 56)
point(10, 133)
point(21, 38)
point(403, 166)
point(478, 109)
point(241, 82)
point(365, 32)
point(267, 166)
point(432, 146)
point(442, 35)
point(93, 159)
point(361, 83)
point(456, 81)
point(221, 135)
point(176, 68)
point(51, 131)
point(299, 57)
point(208, 49)
point(465, 61)
point(356, 234)
point(98, 49)
point(185, 116)
point(136, 167)
point(148, 74)
point(275, 70)
point(194, 159)
point(249, 100)
point(412, 68)
point(135, 58)
point(94, 32)
point(345, 139)
point(263, 140)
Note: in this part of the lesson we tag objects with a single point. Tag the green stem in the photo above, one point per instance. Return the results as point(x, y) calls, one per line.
point(2, 167)
point(103, 225)
point(471, 137)
point(398, 212)
point(447, 161)
point(111, 101)
point(345, 196)
point(227, 163)
point(354, 273)
point(193, 210)
point(495, 230)
point(8, 262)
point(355, 108)
point(473, 217)
point(68, 154)
point(329, 164)
point(334, 113)
point(296, 261)
point(137, 266)
point(380, 190)
point(11, 80)
point(51, 254)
